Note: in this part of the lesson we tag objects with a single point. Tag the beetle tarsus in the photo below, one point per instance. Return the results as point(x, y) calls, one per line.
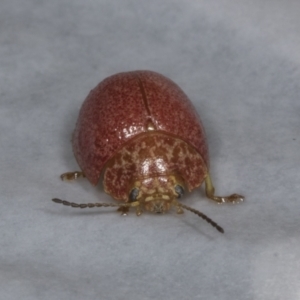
point(210, 193)
point(70, 176)
point(180, 210)
point(138, 211)
point(124, 210)
point(233, 199)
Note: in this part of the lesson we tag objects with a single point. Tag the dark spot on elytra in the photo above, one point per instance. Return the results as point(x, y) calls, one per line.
point(143, 154)
point(130, 148)
point(184, 149)
point(127, 157)
point(175, 154)
point(160, 152)
point(169, 142)
point(119, 173)
point(188, 162)
point(118, 159)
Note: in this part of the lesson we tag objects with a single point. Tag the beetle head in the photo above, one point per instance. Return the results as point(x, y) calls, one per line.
point(157, 194)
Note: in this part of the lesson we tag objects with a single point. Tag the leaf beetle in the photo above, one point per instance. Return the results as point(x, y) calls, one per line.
point(141, 133)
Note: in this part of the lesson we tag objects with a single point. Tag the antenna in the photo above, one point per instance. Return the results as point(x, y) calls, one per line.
point(89, 205)
point(200, 214)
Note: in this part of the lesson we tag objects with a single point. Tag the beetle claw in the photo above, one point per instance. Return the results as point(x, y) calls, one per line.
point(180, 210)
point(235, 198)
point(138, 211)
point(124, 210)
point(70, 176)
point(232, 199)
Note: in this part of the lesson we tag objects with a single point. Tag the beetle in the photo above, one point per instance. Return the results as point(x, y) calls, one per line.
point(141, 132)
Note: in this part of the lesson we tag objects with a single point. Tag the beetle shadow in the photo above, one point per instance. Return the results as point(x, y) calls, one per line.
point(66, 135)
point(201, 231)
point(212, 133)
point(80, 212)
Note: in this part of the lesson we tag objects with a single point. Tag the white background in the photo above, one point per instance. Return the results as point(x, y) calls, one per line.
point(238, 61)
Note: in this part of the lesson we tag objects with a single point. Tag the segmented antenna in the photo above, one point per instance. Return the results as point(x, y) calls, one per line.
point(87, 205)
point(203, 216)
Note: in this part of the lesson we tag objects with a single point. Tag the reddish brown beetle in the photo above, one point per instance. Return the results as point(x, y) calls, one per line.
point(144, 135)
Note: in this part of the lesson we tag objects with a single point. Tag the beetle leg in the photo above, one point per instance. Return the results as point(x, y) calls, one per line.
point(124, 210)
point(210, 193)
point(138, 211)
point(180, 210)
point(137, 206)
point(69, 176)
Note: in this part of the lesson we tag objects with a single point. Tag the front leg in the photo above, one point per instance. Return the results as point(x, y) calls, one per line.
point(210, 193)
point(70, 176)
point(138, 211)
point(124, 210)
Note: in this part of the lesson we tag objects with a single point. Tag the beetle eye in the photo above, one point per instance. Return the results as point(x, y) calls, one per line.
point(179, 190)
point(133, 194)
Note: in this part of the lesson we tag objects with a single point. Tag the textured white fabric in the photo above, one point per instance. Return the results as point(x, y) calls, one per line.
point(238, 61)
